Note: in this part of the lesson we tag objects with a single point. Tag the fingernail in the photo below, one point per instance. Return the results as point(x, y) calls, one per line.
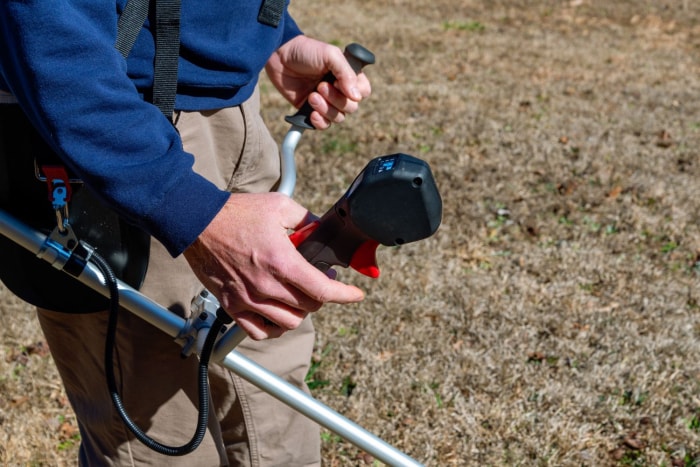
point(355, 94)
point(314, 99)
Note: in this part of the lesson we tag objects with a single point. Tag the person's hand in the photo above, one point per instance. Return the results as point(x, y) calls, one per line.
point(296, 69)
point(245, 258)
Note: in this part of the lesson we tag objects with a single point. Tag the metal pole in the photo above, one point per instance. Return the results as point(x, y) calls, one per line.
point(288, 166)
point(174, 326)
point(321, 414)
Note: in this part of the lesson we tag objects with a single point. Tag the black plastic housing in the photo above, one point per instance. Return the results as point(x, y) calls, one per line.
point(394, 200)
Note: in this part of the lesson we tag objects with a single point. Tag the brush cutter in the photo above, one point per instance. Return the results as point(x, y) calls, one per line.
point(394, 200)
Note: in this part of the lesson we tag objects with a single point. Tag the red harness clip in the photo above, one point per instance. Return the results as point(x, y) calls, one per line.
point(60, 192)
point(58, 185)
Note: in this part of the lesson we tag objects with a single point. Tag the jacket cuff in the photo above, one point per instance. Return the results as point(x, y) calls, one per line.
point(185, 211)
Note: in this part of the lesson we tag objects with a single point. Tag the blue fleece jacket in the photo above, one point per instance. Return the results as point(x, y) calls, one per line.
point(58, 59)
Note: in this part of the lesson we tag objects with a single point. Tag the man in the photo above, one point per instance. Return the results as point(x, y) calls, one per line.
point(200, 185)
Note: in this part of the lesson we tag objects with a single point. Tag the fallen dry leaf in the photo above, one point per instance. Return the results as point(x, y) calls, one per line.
point(664, 139)
point(614, 192)
point(67, 430)
point(632, 442)
point(17, 401)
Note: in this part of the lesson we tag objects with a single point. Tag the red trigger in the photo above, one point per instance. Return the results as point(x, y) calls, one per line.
point(302, 234)
point(364, 260)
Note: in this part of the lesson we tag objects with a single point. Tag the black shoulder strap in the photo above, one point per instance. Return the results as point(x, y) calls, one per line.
point(130, 24)
point(167, 36)
point(167, 53)
point(167, 45)
point(271, 12)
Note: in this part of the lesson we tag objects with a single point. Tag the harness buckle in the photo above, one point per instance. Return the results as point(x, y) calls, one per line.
point(60, 193)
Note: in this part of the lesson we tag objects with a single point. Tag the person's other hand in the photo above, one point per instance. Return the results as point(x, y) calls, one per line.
point(245, 258)
point(296, 69)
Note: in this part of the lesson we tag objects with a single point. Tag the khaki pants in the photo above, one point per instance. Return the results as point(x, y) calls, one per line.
point(247, 427)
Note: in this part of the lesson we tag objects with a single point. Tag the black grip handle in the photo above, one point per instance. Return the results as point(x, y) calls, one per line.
point(357, 56)
point(333, 242)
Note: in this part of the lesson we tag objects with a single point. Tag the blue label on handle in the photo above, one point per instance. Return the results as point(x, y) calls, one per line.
point(385, 165)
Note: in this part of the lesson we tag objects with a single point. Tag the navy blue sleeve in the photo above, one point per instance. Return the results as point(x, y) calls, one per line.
point(58, 59)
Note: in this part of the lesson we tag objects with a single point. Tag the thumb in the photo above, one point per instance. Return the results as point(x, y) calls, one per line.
point(345, 76)
point(294, 215)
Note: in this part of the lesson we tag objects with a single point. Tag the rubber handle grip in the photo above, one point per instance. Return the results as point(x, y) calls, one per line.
point(358, 57)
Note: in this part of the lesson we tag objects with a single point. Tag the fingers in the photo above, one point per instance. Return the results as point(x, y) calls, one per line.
point(296, 286)
point(318, 286)
point(331, 102)
point(257, 327)
point(275, 292)
point(274, 317)
point(352, 84)
point(269, 320)
point(330, 106)
point(277, 306)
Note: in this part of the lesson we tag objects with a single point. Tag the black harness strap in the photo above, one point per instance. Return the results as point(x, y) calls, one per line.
point(167, 53)
point(130, 24)
point(167, 36)
point(271, 12)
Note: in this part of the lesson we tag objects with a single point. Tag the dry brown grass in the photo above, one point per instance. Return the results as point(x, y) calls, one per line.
point(554, 318)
